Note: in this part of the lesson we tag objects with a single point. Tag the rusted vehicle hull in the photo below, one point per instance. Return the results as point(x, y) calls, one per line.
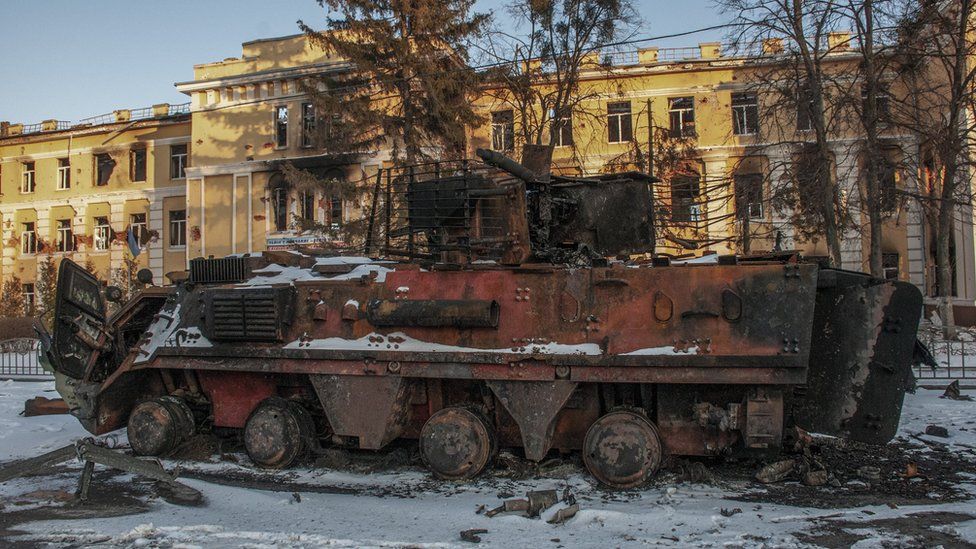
point(629, 363)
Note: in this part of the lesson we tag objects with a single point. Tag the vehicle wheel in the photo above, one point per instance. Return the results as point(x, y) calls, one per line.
point(457, 443)
point(277, 433)
point(622, 449)
point(157, 427)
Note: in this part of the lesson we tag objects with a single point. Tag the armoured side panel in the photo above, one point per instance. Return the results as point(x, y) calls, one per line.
point(861, 362)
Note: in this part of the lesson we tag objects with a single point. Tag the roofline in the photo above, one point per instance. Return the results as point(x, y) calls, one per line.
point(272, 39)
point(95, 129)
point(259, 76)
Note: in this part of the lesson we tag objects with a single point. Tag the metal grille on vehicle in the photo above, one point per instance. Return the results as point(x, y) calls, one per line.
point(225, 269)
point(248, 314)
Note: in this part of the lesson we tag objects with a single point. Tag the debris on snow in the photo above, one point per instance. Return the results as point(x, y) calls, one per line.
point(775, 472)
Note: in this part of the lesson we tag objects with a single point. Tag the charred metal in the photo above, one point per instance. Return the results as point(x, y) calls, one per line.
point(510, 323)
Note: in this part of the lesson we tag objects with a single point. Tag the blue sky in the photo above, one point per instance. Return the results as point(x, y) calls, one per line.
point(69, 59)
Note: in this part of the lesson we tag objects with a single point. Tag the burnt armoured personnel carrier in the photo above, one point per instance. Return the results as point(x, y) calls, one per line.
point(494, 308)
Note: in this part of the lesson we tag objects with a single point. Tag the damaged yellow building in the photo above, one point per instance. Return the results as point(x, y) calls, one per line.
point(78, 191)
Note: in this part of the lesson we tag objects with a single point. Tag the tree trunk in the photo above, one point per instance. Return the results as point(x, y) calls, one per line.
point(943, 258)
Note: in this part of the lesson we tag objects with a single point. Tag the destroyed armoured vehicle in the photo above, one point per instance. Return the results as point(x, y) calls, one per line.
point(493, 309)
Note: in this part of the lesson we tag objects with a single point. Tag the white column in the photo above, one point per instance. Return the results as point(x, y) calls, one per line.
point(781, 217)
point(119, 224)
point(155, 249)
point(720, 202)
point(915, 235)
point(8, 231)
point(851, 238)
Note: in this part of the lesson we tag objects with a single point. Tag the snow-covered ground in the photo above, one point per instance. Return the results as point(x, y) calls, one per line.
point(408, 509)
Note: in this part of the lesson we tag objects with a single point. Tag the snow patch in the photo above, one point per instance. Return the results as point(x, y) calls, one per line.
point(401, 342)
point(662, 351)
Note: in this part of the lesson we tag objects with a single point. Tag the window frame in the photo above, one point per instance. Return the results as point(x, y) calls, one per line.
point(503, 131)
point(280, 128)
point(743, 201)
point(743, 112)
point(64, 174)
point(615, 121)
point(685, 116)
point(178, 162)
point(690, 208)
point(177, 230)
point(28, 177)
point(883, 104)
point(29, 291)
point(804, 110)
point(336, 211)
point(28, 244)
point(133, 157)
point(65, 242)
point(279, 207)
point(98, 159)
point(306, 205)
point(101, 232)
point(564, 132)
point(143, 226)
point(309, 122)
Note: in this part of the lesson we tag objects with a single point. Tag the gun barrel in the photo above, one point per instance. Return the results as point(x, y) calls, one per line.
point(502, 162)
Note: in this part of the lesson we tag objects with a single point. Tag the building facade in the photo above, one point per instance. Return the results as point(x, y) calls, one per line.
point(250, 116)
point(79, 191)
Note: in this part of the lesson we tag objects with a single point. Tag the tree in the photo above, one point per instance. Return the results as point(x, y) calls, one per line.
point(537, 71)
point(795, 86)
point(125, 277)
point(46, 290)
point(409, 80)
point(872, 23)
point(12, 303)
point(934, 60)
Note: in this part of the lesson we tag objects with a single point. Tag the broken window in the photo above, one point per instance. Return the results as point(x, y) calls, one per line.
point(103, 168)
point(745, 113)
point(64, 174)
point(307, 205)
point(29, 297)
point(749, 196)
point(619, 126)
point(138, 164)
point(27, 181)
point(882, 103)
point(335, 212)
point(177, 228)
point(889, 265)
point(563, 132)
point(503, 130)
point(681, 112)
point(103, 234)
point(281, 126)
point(308, 124)
point(137, 224)
point(279, 208)
point(684, 196)
point(178, 161)
point(66, 239)
point(28, 238)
